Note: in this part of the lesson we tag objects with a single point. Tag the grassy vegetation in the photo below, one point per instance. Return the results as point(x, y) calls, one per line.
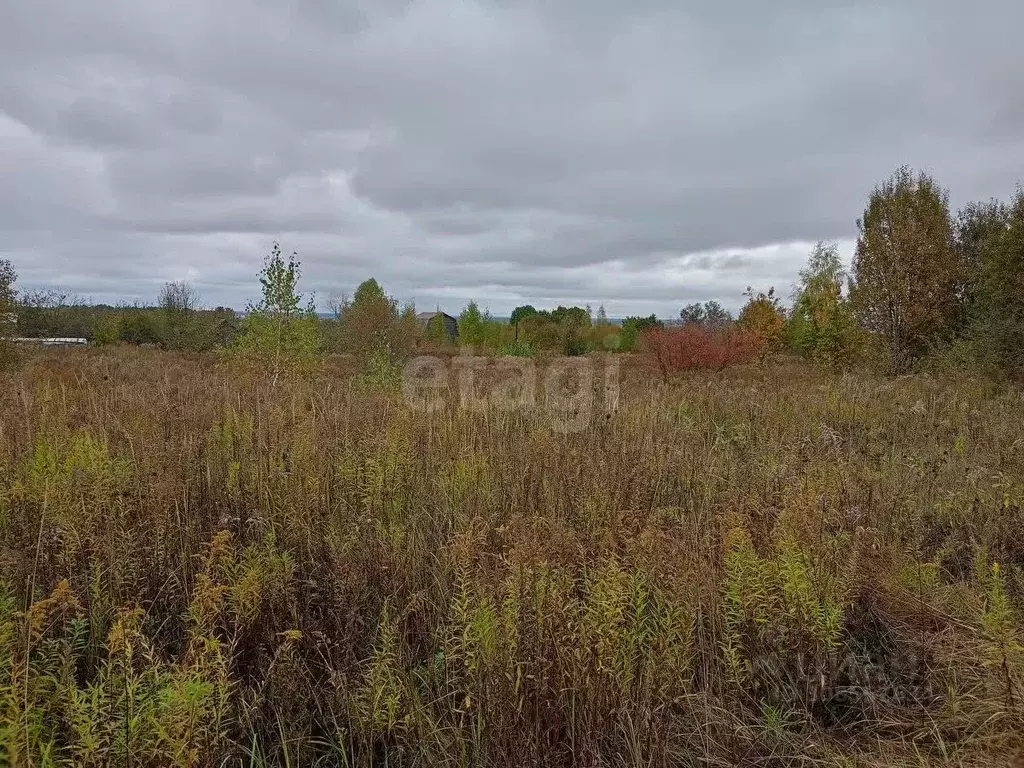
point(752, 567)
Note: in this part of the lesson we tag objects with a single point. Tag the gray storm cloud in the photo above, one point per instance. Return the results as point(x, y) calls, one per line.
point(635, 154)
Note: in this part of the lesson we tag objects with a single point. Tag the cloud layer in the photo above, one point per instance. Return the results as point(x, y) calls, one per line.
point(547, 151)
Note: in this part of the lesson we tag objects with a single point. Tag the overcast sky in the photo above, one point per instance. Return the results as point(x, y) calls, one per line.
point(512, 151)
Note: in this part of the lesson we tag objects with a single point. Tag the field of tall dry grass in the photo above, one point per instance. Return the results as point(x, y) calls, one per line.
point(757, 567)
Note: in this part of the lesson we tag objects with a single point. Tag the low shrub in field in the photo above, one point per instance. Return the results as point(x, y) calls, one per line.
point(574, 346)
point(633, 328)
point(604, 336)
point(516, 349)
point(700, 347)
point(381, 369)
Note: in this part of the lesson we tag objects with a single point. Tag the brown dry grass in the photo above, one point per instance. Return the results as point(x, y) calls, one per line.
point(779, 567)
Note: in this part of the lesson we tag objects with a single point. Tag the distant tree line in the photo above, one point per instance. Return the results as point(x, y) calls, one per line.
point(175, 322)
point(926, 288)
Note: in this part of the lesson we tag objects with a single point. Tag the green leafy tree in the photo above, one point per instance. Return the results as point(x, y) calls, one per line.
point(495, 332)
point(692, 314)
point(137, 325)
point(38, 313)
point(821, 324)
point(406, 334)
point(906, 273)
point(992, 241)
point(573, 323)
point(632, 327)
point(578, 317)
point(179, 303)
point(280, 332)
point(978, 228)
point(220, 326)
point(471, 325)
point(521, 313)
point(437, 331)
point(368, 292)
point(106, 330)
point(716, 315)
point(710, 313)
point(541, 332)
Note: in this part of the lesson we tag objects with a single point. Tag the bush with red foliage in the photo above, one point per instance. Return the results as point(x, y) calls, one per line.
point(695, 346)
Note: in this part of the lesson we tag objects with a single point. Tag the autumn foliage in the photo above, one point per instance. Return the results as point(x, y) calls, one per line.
point(694, 346)
point(908, 277)
point(764, 318)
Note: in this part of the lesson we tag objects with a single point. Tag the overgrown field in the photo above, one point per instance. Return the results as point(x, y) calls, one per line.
point(757, 567)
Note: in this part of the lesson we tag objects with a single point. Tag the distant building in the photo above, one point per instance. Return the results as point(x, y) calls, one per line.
point(451, 325)
point(54, 342)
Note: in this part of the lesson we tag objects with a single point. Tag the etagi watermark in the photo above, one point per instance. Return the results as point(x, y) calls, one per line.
point(568, 392)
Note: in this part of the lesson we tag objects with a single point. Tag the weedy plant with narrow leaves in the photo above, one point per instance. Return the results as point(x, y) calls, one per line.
point(754, 566)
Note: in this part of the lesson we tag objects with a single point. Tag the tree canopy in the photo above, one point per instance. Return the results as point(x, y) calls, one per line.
point(281, 329)
point(905, 270)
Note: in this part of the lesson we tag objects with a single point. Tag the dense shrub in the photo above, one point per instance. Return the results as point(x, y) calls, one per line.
point(478, 329)
point(518, 315)
point(562, 331)
point(991, 240)
point(633, 327)
point(694, 346)
point(179, 322)
point(604, 336)
point(42, 314)
point(137, 326)
point(821, 325)
point(516, 349)
point(574, 346)
point(764, 318)
point(106, 330)
point(373, 321)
